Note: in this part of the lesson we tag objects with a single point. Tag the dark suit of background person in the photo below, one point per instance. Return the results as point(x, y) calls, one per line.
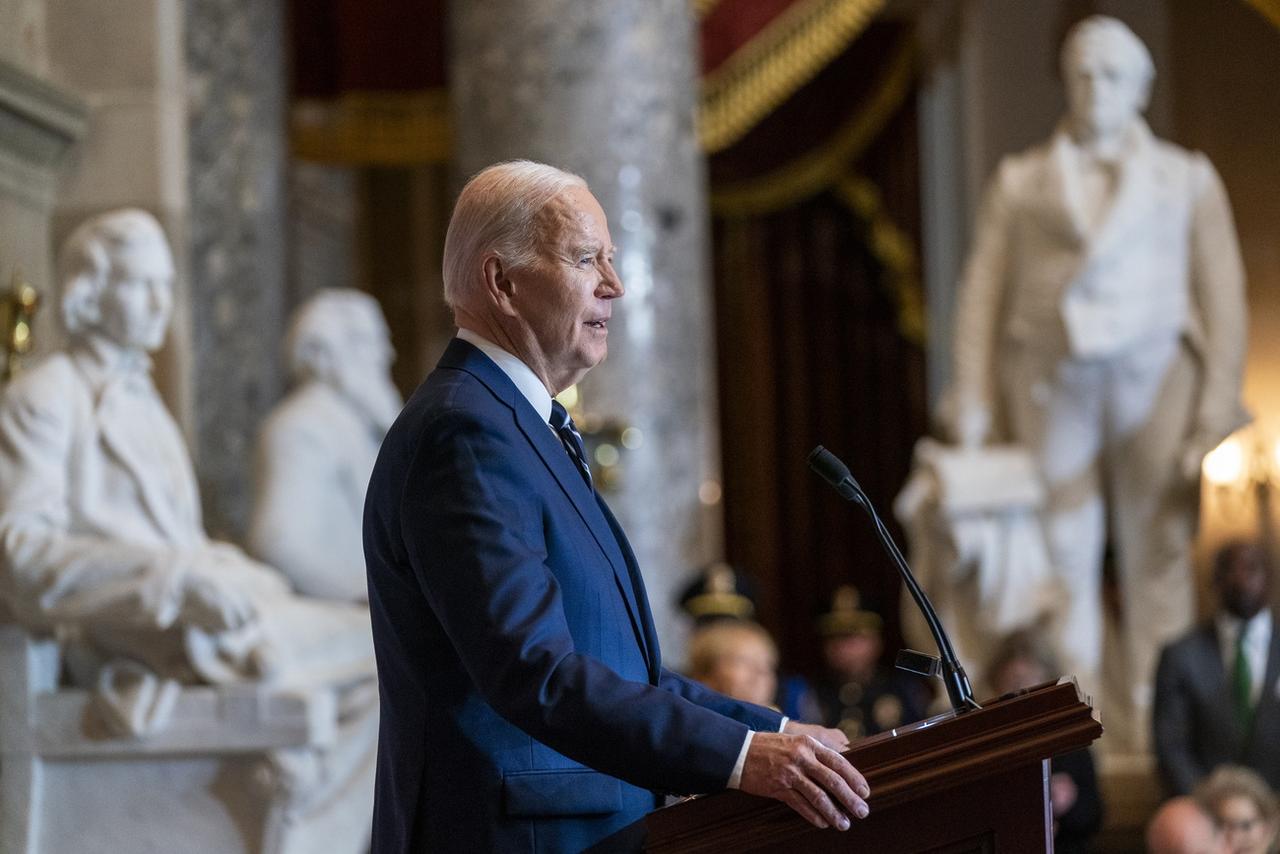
point(524, 702)
point(1197, 723)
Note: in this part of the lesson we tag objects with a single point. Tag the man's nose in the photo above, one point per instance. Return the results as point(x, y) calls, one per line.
point(611, 286)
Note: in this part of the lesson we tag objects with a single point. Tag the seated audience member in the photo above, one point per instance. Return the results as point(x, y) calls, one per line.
point(1023, 662)
point(1182, 826)
point(1244, 807)
point(1216, 687)
point(736, 658)
point(858, 695)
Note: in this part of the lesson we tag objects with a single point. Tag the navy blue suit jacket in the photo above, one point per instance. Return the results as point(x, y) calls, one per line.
point(524, 702)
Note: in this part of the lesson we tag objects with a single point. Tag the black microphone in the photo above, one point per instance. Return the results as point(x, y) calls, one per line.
point(829, 468)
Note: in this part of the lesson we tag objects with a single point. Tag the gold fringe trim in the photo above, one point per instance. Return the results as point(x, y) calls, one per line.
point(1269, 8)
point(703, 8)
point(767, 70)
point(374, 128)
point(816, 171)
point(892, 247)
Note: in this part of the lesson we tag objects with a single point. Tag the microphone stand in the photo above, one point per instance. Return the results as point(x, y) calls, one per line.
point(948, 666)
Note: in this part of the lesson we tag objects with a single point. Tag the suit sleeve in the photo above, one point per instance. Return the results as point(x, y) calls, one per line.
point(47, 573)
point(473, 525)
point(758, 718)
point(1172, 721)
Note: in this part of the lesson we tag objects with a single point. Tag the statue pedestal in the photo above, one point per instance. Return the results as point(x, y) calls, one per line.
point(205, 777)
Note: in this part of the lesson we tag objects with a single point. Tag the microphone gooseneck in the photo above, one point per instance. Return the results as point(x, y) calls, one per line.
point(829, 467)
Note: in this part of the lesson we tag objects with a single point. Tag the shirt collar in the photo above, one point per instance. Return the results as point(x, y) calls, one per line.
point(1256, 628)
point(517, 371)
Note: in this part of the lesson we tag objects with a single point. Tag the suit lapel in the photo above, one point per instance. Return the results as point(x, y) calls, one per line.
point(463, 356)
point(637, 584)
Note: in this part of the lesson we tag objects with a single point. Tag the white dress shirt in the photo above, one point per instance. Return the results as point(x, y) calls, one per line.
point(1257, 640)
point(540, 399)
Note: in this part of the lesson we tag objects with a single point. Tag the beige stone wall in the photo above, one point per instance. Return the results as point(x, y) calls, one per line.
point(37, 122)
point(22, 34)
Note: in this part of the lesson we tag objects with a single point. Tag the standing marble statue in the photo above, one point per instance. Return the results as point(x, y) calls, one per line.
point(102, 544)
point(1101, 324)
point(317, 448)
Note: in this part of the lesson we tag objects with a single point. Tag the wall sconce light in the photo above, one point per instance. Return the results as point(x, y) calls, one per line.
point(1245, 468)
point(17, 312)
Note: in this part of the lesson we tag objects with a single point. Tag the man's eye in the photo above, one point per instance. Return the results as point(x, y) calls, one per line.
point(586, 260)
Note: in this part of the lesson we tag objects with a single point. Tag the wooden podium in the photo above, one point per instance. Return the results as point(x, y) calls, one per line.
point(952, 784)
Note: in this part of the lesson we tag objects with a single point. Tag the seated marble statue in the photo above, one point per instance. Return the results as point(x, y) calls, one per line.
point(101, 538)
point(317, 447)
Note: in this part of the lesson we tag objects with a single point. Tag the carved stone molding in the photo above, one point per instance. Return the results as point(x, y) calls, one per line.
point(38, 123)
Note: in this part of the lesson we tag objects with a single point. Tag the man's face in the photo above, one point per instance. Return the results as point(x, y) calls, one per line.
point(1243, 576)
point(853, 656)
point(564, 297)
point(1104, 92)
point(135, 305)
point(748, 672)
point(1243, 825)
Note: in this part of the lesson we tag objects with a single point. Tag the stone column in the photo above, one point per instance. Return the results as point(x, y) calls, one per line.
point(236, 124)
point(323, 212)
point(607, 90)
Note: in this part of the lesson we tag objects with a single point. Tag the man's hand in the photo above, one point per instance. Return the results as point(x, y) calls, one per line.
point(827, 737)
point(814, 780)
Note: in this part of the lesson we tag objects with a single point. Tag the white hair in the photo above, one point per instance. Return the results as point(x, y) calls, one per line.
point(497, 212)
point(319, 328)
point(1115, 34)
point(84, 264)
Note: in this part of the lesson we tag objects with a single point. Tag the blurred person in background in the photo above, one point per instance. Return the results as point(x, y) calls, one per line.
point(1216, 687)
point(857, 694)
point(1023, 661)
point(738, 658)
point(1183, 826)
point(1244, 807)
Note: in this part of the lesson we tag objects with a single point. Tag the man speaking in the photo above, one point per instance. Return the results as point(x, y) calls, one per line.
point(524, 703)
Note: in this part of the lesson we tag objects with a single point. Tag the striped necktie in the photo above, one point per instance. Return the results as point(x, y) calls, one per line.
point(571, 439)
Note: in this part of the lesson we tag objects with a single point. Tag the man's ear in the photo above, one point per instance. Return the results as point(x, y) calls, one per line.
point(498, 286)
